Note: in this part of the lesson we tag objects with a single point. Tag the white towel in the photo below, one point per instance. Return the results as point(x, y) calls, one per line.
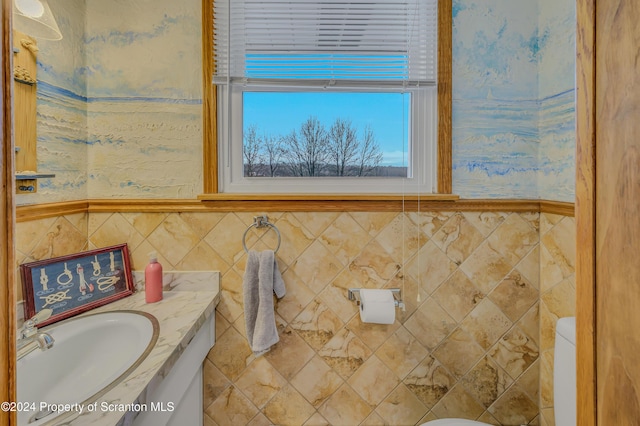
point(261, 279)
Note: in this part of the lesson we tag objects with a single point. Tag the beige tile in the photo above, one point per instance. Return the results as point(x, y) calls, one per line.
point(316, 267)
point(203, 258)
point(96, 220)
point(260, 420)
point(345, 353)
point(515, 352)
point(458, 295)
point(374, 266)
point(547, 417)
point(560, 241)
point(548, 221)
point(295, 237)
point(486, 267)
point(28, 234)
point(373, 420)
point(345, 407)
point(317, 420)
point(373, 335)
point(317, 381)
point(547, 328)
point(429, 381)
point(315, 222)
point(430, 324)
point(202, 223)
point(174, 238)
point(486, 417)
point(335, 295)
point(551, 273)
point(62, 238)
point(514, 407)
point(230, 354)
point(401, 352)
point(458, 403)
point(530, 323)
point(485, 222)
point(533, 218)
point(316, 324)
point(486, 382)
point(373, 222)
point(458, 353)
point(231, 304)
point(458, 238)
point(401, 238)
point(486, 323)
point(514, 238)
point(412, 295)
point(290, 354)
point(373, 381)
point(231, 408)
point(214, 383)
point(561, 299)
point(430, 221)
point(529, 381)
point(529, 266)
point(401, 407)
point(546, 378)
point(116, 230)
point(226, 238)
point(345, 238)
point(288, 407)
point(145, 223)
point(514, 295)
point(430, 267)
point(297, 298)
point(260, 382)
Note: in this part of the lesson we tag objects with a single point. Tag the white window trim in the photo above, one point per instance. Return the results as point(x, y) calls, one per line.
point(422, 146)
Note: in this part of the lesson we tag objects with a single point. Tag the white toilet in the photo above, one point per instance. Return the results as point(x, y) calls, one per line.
point(564, 379)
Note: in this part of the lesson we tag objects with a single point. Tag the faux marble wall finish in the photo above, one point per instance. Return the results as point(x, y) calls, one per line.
point(469, 348)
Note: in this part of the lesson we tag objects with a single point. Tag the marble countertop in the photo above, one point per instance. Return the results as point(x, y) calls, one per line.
point(189, 302)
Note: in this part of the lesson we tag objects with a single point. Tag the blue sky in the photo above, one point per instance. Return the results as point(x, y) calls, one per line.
point(280, 113)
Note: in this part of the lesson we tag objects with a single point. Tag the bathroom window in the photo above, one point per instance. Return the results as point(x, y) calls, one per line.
point(327, 96)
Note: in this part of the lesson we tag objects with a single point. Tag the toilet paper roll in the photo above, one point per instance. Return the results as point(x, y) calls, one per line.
point(377, 306)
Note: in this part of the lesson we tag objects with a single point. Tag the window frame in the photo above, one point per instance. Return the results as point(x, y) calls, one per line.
point(210, 105)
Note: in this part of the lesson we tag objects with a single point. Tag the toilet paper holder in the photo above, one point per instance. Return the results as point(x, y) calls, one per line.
point(354, 294)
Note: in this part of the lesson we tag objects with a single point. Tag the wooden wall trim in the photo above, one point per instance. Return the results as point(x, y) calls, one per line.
point(445, 23)
point(43, 211)
point(585, 213)
point(7, 218)
point(557, 207)
point(325, 203)
point(209, 103)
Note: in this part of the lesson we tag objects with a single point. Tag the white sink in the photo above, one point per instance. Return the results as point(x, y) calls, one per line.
point(91, 354)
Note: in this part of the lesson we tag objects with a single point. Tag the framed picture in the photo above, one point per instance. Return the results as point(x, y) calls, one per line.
point(76, 283)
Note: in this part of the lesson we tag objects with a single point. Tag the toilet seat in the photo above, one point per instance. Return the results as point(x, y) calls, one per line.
point(454, 422)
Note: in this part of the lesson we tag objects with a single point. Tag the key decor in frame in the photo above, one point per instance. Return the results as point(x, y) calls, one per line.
point(72, 284)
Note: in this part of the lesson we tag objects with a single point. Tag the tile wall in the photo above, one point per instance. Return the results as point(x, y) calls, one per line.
point(469, 347)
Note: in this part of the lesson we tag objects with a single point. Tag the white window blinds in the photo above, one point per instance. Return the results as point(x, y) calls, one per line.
point(328, 42)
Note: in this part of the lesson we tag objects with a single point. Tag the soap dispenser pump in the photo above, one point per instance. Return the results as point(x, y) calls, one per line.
point(153, 279)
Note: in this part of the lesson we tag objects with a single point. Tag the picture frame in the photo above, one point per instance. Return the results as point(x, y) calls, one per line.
point(75, 283)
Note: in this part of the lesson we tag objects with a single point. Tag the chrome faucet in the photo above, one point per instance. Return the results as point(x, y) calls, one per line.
point(30, 339)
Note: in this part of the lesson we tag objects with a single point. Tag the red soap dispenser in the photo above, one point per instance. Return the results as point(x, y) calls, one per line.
point(153, 279)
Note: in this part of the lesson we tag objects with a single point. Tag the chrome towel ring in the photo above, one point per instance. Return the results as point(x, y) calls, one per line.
point(260, 222)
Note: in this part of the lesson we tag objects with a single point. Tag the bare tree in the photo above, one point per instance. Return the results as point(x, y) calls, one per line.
point(251, 151)
point(306, 152)
point(370, 155)
point(343, 145)
point(273, 153)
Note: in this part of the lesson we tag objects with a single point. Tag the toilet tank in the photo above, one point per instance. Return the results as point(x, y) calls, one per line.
point(564, 372)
